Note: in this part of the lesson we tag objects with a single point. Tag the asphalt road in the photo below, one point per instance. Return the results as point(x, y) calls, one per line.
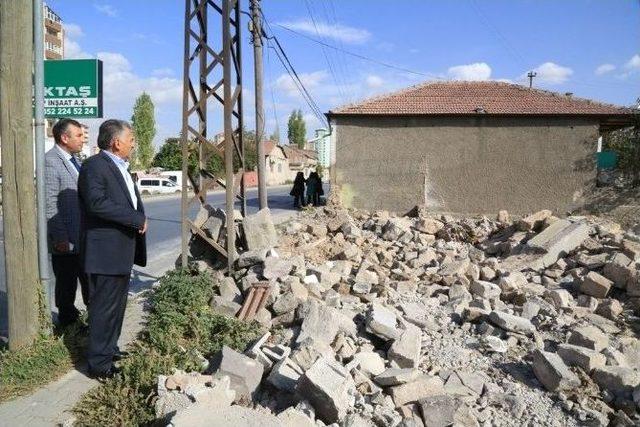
point(163, 236)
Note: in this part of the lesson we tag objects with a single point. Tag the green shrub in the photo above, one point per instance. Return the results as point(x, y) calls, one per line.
point(180, 328)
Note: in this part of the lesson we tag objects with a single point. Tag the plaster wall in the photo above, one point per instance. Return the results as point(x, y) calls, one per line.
point(464, 164)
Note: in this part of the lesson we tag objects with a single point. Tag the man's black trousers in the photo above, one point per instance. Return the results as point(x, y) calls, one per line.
point(68, 271)
point(106, 312)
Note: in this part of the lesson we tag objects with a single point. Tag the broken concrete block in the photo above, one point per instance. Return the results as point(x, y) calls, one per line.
point(171, 403)
point(328, 386)
point(561, 298)
point(229, 290)
point(276, 268)
point(583, 357)
point(557, 240)
point(218, 394)
point(250, 258)
point(595, 285)
point(259, 231)
point(618, 380)
point(439, 410)
point(244, 372)
point(381, 322)
point(285, 375)
point(485, 289)
point(589, 337)
point(428, 225)
point(618, 269)
point(396, 376)
point(370, 362)
point(292, 417)
point(417, 390)
point(534, 220)
point(405, 350)
point(609, 308)
point(552, 372)
point(221, 306)
point(236, 415)
point(512, 282)
point(318, 324)
point(511, 322)
point(454, 268)
point(285, 303)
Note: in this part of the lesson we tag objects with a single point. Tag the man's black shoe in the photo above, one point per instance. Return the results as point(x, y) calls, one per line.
point(103, 376)
point(119, 355)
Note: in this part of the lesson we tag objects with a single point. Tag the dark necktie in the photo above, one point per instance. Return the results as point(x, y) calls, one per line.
point(75, 163)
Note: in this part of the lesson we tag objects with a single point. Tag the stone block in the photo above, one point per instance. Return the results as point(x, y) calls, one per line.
point(618, 380)
point(534, 220)
point(428, 225)
point(618, 269)
point(417, 390)
point(221, 306)
point(259, 231)
point(405, 350)
point(396, 376)
point(276, 268)
point(552, 372)
point(370, 362)
point(512, 323)
point(589, 337)
point(250, 258)
point(285, 375)
point(318, 324)
point(485, 289)
point(204, 415)
point(595, 285)
point(609, 308)
point(557, 240)
point(381, 322)
point(328, 386)
point(285, 303)
point(561, 298)
point(229, 290)
point(439, 411)
point(245, 373)
point(582, 357)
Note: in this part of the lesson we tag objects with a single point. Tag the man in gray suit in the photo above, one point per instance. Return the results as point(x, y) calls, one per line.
point(62, 168)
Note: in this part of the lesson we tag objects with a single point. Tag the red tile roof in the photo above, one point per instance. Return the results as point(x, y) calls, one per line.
point(462, 97)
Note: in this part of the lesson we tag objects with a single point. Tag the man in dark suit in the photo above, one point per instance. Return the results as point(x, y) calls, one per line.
point(113, 239)
point(63, 217)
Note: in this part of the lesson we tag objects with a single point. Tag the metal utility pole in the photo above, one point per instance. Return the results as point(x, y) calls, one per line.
point(212, 72)
point(256, 29)
point(531, 75)
point(18, 198)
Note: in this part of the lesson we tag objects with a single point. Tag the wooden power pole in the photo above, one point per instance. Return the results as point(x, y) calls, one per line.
point(18, 198)
point(256, 29)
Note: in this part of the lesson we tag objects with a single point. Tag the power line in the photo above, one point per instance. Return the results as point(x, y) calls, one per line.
point(357, 55)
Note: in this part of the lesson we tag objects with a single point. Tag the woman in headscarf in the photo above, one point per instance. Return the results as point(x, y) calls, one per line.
point(314, 189)
point(298, 191)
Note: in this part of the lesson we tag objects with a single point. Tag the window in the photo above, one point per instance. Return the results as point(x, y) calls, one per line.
point(145, 182)
point(168, 184)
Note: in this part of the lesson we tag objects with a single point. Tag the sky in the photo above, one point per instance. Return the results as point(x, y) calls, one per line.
point(588, 47)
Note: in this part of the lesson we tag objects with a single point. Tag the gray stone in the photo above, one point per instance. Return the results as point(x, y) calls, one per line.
point(370, 362)
point(618, 380)
point(229, 290)
point(259, 231)
point(318, 325)
point(276, 268)
point(285, 303)
point(361, 288)
point(512, 282)
point(396, 376)
point(552, 372)
point(511, 322)
point(328, 386)
point(428, 225)
point(405, 350)
point(220, 305)
point(589, 337)
point(171, 402)
point(630, 347)
point(610, 308)
point(250, 258)
point(417, 390)
point(595, 285)
point(559, 239)
point(438, 411)
point(244, 372)
point(455, 268)
point(204, 415)
point(485, 289)
point(285, 375)
point(530, 309)
point(534, 220)
point(381, 322)
point(586, 359)
point(292, 417)
point(561, 298)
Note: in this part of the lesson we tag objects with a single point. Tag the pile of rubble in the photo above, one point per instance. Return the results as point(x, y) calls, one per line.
point(378, 320)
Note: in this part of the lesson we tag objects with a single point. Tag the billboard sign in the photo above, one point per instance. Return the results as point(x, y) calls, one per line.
point(73, 88)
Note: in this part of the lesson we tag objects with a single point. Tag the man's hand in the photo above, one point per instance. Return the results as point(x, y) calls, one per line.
point(62, 247)
point(144, 227)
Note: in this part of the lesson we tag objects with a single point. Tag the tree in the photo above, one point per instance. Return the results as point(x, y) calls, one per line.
point(626, 143)
point(297, 129)
point(170, 158)
point(144, 128)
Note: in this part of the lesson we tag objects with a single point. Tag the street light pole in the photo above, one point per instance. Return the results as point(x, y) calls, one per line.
point(256, 29)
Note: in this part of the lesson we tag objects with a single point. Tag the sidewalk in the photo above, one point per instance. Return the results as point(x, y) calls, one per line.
point(49, 405)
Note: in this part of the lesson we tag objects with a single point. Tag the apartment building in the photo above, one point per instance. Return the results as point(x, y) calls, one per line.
point(53, 35)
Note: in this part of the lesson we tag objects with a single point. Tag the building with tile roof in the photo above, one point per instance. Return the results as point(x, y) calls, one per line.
point(469, 147)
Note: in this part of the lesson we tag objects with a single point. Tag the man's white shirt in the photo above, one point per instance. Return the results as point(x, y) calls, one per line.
point(67, 156)
point(123, 167)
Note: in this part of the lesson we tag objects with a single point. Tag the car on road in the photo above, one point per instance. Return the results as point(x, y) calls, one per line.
point(157, 185)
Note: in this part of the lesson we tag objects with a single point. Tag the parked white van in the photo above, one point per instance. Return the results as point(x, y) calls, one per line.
point(157, 185)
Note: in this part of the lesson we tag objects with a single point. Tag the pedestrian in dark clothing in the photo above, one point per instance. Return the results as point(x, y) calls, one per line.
point(314, 189)
point(298, 191)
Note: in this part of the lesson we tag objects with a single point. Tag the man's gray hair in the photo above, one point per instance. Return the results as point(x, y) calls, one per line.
point(109, 130)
